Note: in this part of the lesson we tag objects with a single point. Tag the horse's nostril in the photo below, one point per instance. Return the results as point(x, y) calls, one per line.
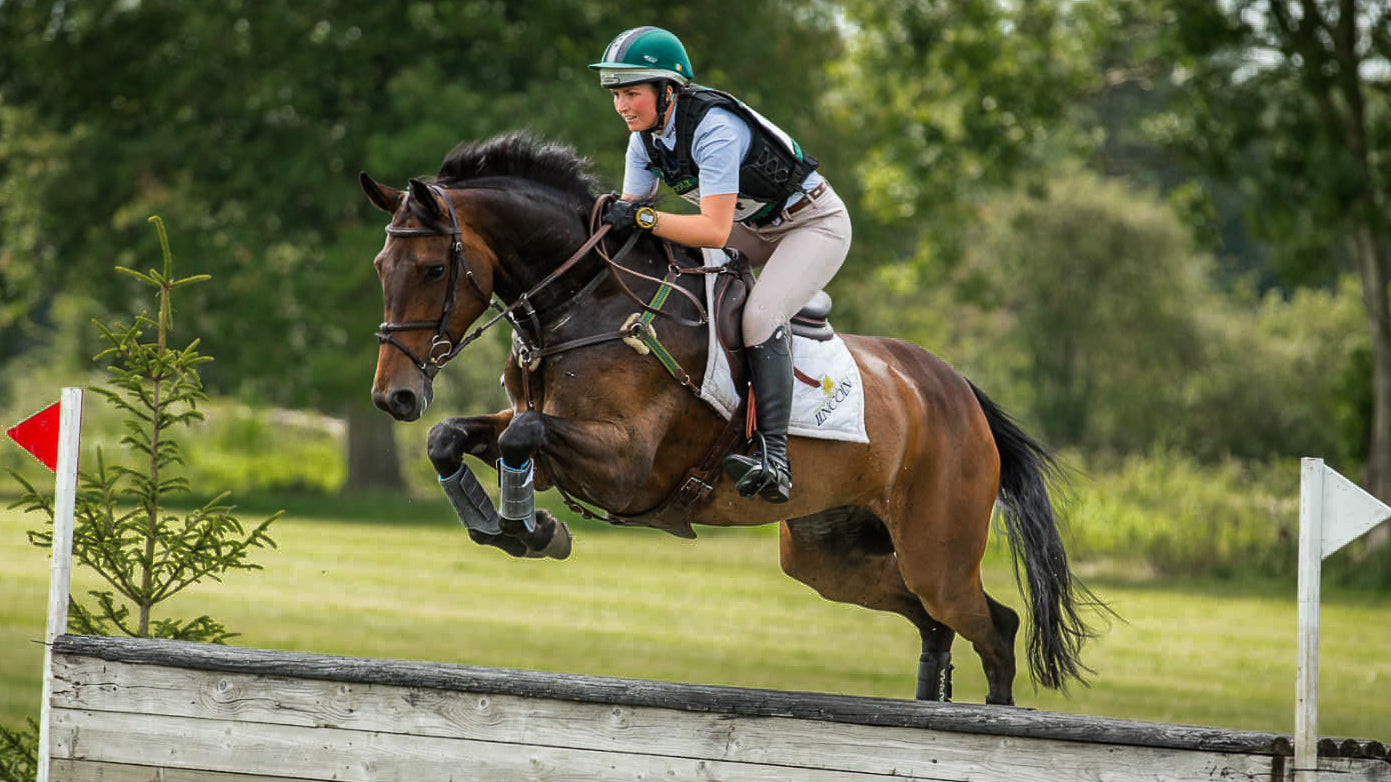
point(381, 402)
point(403, 402)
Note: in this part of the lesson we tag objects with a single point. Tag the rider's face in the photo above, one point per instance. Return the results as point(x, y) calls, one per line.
point(637, 105)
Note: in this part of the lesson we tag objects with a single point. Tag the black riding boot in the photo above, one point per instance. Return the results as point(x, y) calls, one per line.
point(767, 473)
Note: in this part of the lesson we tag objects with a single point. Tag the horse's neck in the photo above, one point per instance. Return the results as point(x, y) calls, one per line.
point(597, 302)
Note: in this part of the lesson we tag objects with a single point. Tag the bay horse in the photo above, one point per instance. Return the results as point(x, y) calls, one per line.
point(898, 524)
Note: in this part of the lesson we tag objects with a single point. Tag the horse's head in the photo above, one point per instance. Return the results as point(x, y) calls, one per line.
point(437, 278)
point(500, 221)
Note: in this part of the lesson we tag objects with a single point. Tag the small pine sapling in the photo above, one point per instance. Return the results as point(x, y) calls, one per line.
point(123, 528)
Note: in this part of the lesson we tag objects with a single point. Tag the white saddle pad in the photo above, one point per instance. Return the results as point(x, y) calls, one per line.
point(832, 410)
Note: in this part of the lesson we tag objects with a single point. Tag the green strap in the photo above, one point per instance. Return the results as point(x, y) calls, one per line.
point(649, 336)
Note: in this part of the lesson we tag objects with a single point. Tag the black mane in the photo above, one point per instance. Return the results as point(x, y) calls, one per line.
point(518, 154)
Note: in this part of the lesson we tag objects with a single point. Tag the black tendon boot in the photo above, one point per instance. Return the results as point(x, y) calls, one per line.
point(767, 473)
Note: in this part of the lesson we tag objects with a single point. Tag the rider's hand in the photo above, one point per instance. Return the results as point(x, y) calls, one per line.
point(627, 215)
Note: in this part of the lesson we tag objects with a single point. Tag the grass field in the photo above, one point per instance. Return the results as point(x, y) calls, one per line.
point(401, 579)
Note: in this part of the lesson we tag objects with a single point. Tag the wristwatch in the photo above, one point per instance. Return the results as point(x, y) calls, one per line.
point(646, 218)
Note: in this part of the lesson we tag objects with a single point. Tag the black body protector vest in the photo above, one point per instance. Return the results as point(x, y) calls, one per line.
point(771, 171)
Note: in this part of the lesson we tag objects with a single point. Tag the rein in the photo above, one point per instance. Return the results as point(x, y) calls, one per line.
point(444, 346)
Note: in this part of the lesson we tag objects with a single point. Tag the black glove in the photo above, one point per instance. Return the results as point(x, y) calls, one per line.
point(624, 215)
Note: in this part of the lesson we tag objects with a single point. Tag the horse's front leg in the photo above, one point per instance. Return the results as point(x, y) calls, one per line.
point(543, 533)
point(521, 532)
point(602, 460)
point(475, 436)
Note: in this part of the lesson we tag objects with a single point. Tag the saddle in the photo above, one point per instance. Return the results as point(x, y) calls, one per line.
point(727, 312)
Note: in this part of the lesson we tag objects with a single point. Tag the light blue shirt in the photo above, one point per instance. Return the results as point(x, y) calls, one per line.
point(720, 142)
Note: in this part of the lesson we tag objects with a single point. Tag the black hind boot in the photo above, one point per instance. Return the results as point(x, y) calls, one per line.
point(766, 473)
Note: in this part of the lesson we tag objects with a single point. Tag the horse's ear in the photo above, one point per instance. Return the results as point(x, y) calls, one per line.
point(425, 200)
point(387, 199)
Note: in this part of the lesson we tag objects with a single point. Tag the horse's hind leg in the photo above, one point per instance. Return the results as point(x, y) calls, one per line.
point(934, 665)
point(989, 625)
point(943, 570)
point(845, 554)
point(1006, 623)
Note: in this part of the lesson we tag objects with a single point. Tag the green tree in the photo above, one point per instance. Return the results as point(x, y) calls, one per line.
point(1092, 304)
point(122, 527)
point(1087, 297)
point(1289, 102)
point(947, 101)
point(19, 751)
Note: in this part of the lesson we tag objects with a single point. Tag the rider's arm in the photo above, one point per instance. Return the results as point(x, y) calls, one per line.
point(710, 228)
point(639, 182)
point(718, 146)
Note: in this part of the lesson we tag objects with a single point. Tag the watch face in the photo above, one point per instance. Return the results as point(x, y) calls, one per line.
point(646, 217)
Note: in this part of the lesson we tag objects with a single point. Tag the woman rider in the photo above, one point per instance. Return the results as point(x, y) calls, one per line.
point(757, 192)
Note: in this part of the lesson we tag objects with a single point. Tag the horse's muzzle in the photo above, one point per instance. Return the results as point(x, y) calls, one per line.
point(403, 404)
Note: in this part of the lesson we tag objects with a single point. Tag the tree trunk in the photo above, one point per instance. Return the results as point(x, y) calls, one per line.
point(1369, 251)
point(1368, 239)
point(372, 456)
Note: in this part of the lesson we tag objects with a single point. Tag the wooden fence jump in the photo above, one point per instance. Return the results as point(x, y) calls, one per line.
point(127, 710)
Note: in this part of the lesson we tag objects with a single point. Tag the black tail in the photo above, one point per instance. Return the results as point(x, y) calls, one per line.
point(1027, 473)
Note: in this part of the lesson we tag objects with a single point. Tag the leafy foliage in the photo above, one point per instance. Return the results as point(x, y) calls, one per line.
point(1289, 103)
point(1097, 287)
point(948, 100)
point(123, 530)
point(1088, 308)
point(19, 752)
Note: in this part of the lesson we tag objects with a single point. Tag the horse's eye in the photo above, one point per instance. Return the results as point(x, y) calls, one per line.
point(434, 272)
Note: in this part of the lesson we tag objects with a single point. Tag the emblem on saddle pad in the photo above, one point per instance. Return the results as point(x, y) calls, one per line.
point(834, 393)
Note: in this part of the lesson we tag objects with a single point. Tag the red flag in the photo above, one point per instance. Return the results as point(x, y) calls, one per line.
point(38, 434)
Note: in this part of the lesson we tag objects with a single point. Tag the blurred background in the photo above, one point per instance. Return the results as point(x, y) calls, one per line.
point(1156, 231)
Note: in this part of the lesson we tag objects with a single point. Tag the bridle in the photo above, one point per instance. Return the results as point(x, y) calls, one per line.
point(444, 345)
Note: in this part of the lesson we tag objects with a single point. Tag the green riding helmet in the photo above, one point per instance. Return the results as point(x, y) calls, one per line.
point(644, 54)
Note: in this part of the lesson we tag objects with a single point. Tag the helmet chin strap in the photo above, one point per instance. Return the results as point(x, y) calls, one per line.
point(664, 94)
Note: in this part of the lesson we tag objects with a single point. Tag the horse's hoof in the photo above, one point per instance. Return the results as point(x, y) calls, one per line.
point(558, 546)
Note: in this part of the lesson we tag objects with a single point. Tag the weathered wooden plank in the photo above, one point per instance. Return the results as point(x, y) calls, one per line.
point(359, 756)
point(1351, 769)
point(97, 685)
point(1345, 770)
point(93, 771)
point(991, 720)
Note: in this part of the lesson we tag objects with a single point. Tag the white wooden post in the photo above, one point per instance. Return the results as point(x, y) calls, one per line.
point(1306, 709)
point(1333, 512)
point(60, 568)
